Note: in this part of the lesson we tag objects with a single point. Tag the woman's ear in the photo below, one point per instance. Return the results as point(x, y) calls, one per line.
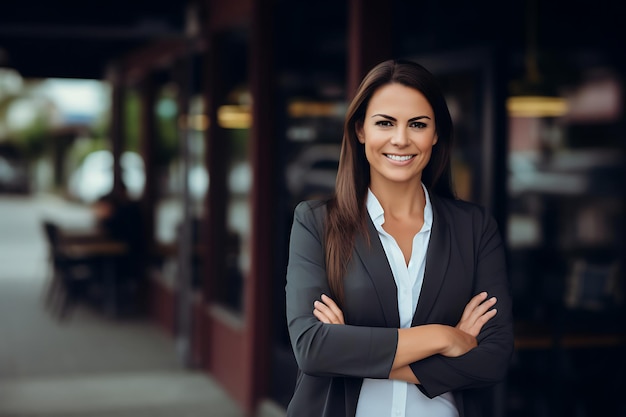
point(435, 140)
point(358, 127)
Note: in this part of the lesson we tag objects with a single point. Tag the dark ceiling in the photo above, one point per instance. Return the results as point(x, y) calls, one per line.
point(71, 39)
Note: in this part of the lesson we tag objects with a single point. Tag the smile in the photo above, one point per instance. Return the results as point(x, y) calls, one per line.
point(400, 158)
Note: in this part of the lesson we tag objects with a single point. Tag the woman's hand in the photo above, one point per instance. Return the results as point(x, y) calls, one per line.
point(327, 311)
point(462, 337)
point(458, 340)
point(477, 312)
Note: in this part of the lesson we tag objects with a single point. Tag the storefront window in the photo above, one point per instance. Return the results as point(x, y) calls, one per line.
point(234, 119)
point(169, 210)
point(238, 227)
point(565, 193)
point(565, 238)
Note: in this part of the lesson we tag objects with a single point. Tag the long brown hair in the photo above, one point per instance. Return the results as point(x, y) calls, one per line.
point(346, 209)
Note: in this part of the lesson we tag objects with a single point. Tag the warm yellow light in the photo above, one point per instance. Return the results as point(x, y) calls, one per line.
point(199, 122)
point(234, 117)
point(536, 106)
point(314, 109)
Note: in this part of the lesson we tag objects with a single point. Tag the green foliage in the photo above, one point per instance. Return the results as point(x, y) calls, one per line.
point(166, 125)
point(167, 129)
point(132, 121)
point(238, 140)
point(33, 139)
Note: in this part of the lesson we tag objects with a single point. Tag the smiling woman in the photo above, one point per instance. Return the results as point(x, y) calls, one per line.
point(392, 282)
point(398, 133)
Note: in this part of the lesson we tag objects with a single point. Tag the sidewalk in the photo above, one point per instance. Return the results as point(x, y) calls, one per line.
point(88, 366)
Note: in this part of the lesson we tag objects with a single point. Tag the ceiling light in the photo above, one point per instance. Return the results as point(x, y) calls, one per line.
point(536, 106)
point(532, 96)
point(234, 116)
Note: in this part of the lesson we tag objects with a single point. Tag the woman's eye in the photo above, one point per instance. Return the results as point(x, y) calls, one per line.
point(385, 123)
point(418, 125)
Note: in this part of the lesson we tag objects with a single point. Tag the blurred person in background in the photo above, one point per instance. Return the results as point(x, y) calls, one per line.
point(393, 282)
point(119, 218)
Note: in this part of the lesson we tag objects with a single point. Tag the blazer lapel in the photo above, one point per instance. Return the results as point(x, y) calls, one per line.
point(373, 257)
point(437, 258)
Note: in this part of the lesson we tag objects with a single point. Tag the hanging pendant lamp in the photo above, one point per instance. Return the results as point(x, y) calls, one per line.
point(532, 96)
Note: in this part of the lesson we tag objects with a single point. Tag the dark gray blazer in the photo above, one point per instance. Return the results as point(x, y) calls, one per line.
point(465, 256)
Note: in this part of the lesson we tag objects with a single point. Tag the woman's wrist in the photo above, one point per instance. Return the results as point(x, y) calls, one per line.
point(416, 343)
point(441, 337)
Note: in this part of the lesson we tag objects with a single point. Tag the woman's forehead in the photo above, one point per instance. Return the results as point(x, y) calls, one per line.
point(399, 99)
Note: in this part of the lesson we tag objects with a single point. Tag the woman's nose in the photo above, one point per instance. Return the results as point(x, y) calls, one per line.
point(400, 138)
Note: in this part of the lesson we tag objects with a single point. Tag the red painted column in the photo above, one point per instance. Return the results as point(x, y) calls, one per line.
point(216, 165)
point(258, 303)
point(147, 146)
point(370, 38)
point(117, 122)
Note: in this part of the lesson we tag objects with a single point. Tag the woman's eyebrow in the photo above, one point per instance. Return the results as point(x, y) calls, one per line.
point(395, 120)
point(418, 118)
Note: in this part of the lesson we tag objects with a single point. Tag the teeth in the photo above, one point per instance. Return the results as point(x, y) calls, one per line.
point(399, 157)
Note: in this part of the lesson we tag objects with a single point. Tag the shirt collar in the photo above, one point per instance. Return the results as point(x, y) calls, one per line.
point(377, 214)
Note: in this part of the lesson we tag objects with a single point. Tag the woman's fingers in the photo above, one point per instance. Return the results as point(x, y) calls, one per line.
point(473, 303)
point(480, 322)
point(483, 308)
point(327, 311)
point(334, 308)
point(477, 312)
point(325, 314)
point(322, 317)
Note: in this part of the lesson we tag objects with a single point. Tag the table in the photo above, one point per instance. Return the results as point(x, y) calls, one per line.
point(101, 251)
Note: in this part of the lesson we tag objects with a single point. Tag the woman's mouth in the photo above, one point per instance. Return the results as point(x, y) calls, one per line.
point(399, 158)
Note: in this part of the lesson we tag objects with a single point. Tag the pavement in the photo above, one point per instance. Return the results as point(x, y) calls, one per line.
point(89, 365)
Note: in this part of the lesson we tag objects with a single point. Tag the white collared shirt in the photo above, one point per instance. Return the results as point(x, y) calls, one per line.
point(385, 397)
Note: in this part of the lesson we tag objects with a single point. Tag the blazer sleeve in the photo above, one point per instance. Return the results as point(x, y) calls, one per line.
point(325, 349)
point(488, 363)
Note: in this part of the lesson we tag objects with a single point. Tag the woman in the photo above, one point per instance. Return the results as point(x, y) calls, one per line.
point(392, 283)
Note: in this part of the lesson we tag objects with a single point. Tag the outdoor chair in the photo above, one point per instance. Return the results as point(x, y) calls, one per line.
point(70, 279)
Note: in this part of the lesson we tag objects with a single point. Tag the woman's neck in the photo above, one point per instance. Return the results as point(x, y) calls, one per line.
point(400, 199)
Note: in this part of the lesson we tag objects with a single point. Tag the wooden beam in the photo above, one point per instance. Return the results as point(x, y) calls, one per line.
point(116, 133)
point(370, 39)
point(258, 289)
point(147, 145)
point(223, 15)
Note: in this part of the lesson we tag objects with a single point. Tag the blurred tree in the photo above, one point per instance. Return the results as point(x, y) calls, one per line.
point(166, 111)
point(132, 117)
point(167, 127)
point(32, 139)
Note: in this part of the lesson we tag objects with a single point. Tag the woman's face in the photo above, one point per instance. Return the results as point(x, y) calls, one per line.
point(398, 133)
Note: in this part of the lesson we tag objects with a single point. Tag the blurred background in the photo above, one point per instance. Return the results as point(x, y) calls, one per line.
point(152, 153)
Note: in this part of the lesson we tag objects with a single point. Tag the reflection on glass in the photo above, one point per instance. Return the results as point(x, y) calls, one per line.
point(197, 175)
point(462, 90)
point(564, 186)
point(169, 211)
point(238, 227)
point(197, 182)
